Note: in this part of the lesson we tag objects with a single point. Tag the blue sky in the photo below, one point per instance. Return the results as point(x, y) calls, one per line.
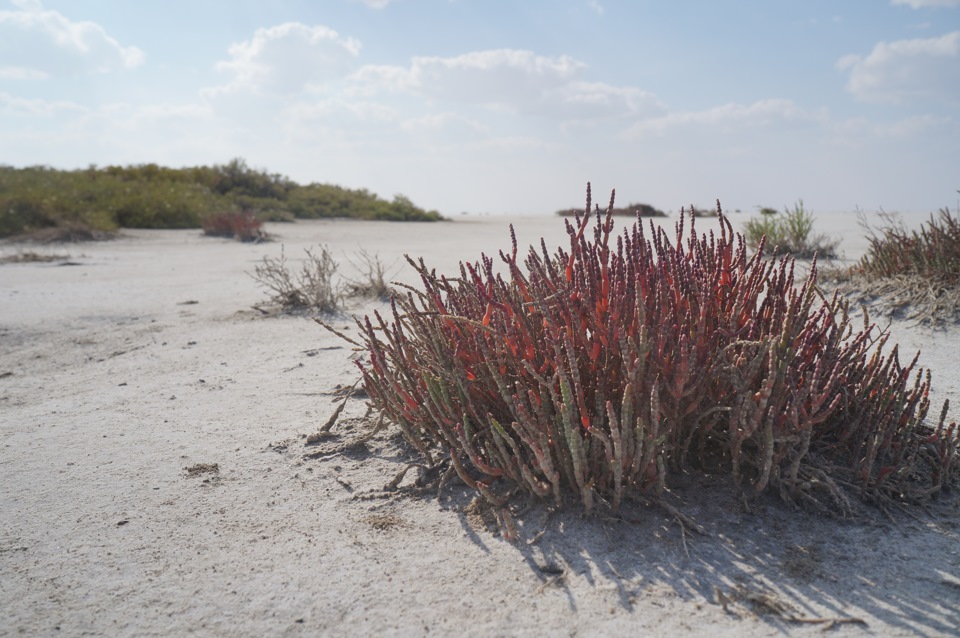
point(503, 106)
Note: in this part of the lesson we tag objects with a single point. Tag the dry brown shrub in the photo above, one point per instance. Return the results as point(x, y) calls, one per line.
point(312, 288)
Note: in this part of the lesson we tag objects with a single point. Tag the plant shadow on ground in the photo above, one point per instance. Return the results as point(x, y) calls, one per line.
point(770, 562)
point(757, 557)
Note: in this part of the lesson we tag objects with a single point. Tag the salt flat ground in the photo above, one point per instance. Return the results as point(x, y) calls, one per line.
point(125, 377)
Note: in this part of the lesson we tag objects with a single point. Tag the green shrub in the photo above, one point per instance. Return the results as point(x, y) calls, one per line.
point(151, 196)
point(323, 200)
point(790, 233)
point(160, 205)
point(594, 373)
point(24, 214)
point(630, 210)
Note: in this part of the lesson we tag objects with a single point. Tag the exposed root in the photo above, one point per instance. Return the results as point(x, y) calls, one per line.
point(354, 445)
point(762, 603)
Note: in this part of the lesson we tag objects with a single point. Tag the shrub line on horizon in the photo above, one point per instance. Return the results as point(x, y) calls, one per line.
point(597, 370)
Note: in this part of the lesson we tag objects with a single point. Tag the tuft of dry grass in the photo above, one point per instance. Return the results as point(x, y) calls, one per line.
point(310, 289)
point(933, 251)
point(373, 281)
point(29, 256)
point(916, 273)
point(594, 373)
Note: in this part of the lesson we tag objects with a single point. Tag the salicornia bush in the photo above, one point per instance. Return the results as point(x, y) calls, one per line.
point(595, 371)
point(241, 225)
point(791, 232)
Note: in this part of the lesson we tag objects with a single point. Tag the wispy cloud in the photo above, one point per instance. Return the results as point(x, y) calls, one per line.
point(922, 4)
point(512, 80)
point(12, 105)
point(445, 122)
point(500, 77)
point(778, 113)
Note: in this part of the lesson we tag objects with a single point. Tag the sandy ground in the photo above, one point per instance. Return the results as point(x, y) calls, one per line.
point(155, 479)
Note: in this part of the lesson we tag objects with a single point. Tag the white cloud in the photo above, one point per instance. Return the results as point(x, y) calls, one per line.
point(17, 106)
point(911, 127)
point(36, 43)
point(510, 80)
point(371, 79)
point(596, 6)
point(498, 77)
point(443, 123)
point(332, 109)
point(21, 73)
point(376, 4)
point(28, 5)
point(290, 58)
point(920, 4)
point(175, 112)
point(729, 117)
point(906, 69)
point(594, 100)
point(513, 144)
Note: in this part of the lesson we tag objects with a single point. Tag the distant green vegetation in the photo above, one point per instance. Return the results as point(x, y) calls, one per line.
point(631, 210)
point(151, 196)
point(790, 233)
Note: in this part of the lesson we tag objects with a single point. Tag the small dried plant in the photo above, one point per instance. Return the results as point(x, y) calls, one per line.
point(596, 371)
point(373, 281)
point(790, 233)
point(310, 289)
point(916, 270)
point(239, 225)
point(31, 257)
